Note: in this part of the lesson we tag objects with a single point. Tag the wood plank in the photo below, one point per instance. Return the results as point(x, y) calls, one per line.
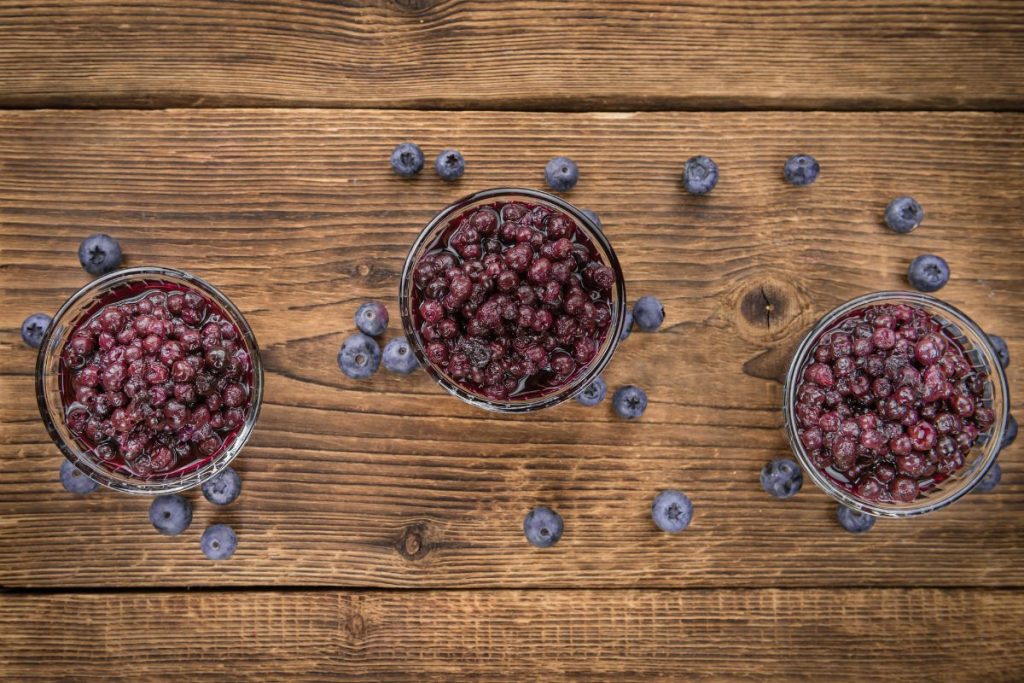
point(727, 635)
point(522, 54)
point(297, 217)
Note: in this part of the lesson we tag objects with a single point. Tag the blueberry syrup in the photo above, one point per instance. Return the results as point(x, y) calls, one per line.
point(512, 300)
point(155, 380)
point(889, 405)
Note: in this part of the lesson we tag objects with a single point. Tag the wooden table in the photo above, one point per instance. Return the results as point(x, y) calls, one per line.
point(380, 522)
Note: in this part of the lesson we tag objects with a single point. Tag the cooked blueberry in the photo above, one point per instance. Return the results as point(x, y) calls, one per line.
point(561, 174)
point(700, 175)
point(543, 527)
point(648, 313)
point(801, 169)
point(34, 328)
point(218, 542)
point(854, 521)
point(990, 480)
point(224, 488)
point(627, 325)
point(903, 214)
point(372, 318)
point(359, 356)
point(407, 159)
point(1010, 434)
point(170, 514)
point(629, 402)
point(398, 356)
point(672, 511)
point(782, 478)
point(75, 481)
point(928, 273)
point(592, 215)
point(594, 392)
point(450, 165)
point(1001, 349)
point(99, 254)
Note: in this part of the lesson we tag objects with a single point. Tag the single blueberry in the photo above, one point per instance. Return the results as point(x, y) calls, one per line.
point(407, 159)
point(854, 521)
point(170, 515)
point(928, 273)
point(398, 356)
point(34, 328)
point(594, 393)
point(1010, 433)
point(218, 542)
point(1001, 349)
point(75, 481)
point(224, 488)
point(990, 480)
point(561, 174)
point(782, 478)
point(450, 165)
point(543, 527)
point(672, 511)
point(372, 318)
point(592, 215)
point(359, 356)
point(648, 313)
point(700, 175)
point(627, 325)
point(903, 214)
point(801, 169)
point(99, 254)
point(629, 402)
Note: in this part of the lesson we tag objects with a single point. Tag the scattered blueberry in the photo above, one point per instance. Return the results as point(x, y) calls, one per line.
point(700, 175)
point(34, 328)
point(99, 254)
point(398, 356)
point(627, 325)
point(672, 511)
point(592, 215)
point(170, 515)
point(1010, 434)
point(75, 481)
point(990, 480)
point(854, 521)
point(407, 159)
point(224, 488)
point(561, 174)
point(928, 273)
point(903, 214)
point(372, 318)
point(629, 402)
point(648, 313)
point(782, 478)
point(450, 165)
point(801, 169)
point(359, 356)
point(543, 527)
point(1001, 349)
point(594, 393)
point(218, 542)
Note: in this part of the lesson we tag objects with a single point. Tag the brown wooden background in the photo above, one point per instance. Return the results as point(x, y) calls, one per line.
point(380, 523)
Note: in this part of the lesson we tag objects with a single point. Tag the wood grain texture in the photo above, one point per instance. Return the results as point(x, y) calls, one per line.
point(633, 635)
point(523, 54)
point(297, 217)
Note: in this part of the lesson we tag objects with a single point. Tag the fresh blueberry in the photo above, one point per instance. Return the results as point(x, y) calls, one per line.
point(224, 488)
point(592, 215)
point(1010, 434)
point(99, 254)
point(928, 273)
point(398, 356)
point(648, 313)
point(561, 174)
point(594, 393)
point(372, 318)
point(700, 175)
point(450, 165)
point(990, 480)
point(359, 356)
point(629, 402)
point(782, 478)
point(171, 514)
point(627, 325)
point(903, 214)
point(33, 329)
point(75, 481)
point(218, 542)
point(543, 527)
point(1001, 349)
point(801, 169)
point(854, 521)
point(407, 159)
point(672, 511)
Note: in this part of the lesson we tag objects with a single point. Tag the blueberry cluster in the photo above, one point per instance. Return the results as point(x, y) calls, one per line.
point(360, 355)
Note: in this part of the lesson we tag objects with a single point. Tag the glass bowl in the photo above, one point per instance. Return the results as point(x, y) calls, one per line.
point(439, 223)
point(978, 351)
point(82, 304)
